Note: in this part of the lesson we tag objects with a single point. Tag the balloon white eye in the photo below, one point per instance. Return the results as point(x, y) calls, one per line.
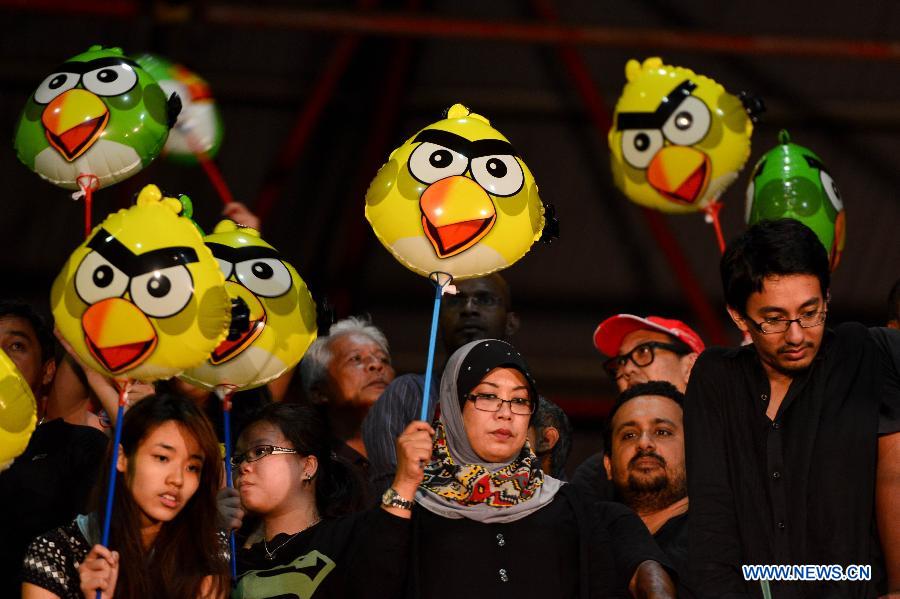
point(639, 146)
point(164, 292)
point(54, 85)
point(110, 81)
point(431, 162)
point(689, 123)
point(831, 191)
point(748, 203)
point(225, 266)
point(267, 277)
point(501, 175)
point(97, 279)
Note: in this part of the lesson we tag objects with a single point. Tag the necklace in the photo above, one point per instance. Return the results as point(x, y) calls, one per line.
point(270, 555)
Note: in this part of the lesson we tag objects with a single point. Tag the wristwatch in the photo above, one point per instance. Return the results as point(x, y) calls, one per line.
point(392, 499)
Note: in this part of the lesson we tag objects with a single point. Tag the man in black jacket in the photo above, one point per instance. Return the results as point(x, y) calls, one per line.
point(789, 439)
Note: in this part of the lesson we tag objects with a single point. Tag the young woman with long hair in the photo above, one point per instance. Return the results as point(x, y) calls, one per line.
point(163, 536)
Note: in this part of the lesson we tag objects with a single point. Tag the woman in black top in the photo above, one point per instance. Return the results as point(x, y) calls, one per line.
point(488, 520)
point(287, 475)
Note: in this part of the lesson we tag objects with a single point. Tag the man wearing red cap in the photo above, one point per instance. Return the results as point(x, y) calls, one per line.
point(647, 349)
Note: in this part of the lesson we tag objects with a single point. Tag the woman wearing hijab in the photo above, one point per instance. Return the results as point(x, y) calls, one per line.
point(487, 516)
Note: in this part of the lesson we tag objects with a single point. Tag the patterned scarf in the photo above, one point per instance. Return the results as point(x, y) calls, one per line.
point(471, 484)
point(458, 483)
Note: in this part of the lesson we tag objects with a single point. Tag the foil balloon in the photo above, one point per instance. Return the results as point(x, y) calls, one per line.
point(678, 138)
point(18, 412)
point(790, 181)
point(142, 298)
point(273, 313)
point(98, 114)
point(456, 198)
point(199, 126)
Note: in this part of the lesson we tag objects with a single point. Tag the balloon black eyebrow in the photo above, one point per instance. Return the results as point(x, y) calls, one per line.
point(135, 265)
point(85, 67)
point(461, 145)
point(657, 118)
point(814, 163)
point(235, 255)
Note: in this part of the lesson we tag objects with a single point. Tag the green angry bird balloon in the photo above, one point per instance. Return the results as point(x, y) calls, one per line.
point(790, 181)
point(99, 114)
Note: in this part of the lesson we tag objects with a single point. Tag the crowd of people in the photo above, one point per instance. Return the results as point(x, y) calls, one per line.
point(781, 451)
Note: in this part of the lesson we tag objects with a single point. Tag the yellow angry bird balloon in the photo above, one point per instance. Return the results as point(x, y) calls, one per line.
point(678, 138)
point(18, 412)
point(456, 198)
point(274, 316)
point(143, 298)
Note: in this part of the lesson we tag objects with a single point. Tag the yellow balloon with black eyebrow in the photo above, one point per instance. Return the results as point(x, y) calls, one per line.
point(18, 412)
point(274, 316)
point(142, 298)
point(678, 139)
point(456, 198)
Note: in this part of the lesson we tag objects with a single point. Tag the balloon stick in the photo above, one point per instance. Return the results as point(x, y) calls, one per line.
point(441, 280)
point(124, 386)
point(209, 167)
point(224, 394)
point(712, 217)
point(88, 183)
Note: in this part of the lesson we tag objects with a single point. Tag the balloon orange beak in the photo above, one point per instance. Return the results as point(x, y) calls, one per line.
point(248, 320)
point(118, 334)
point(74, 121)
point(456, 214)
point(679, 173)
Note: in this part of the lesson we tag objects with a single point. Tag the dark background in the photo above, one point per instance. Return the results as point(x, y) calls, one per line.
point(379, 71)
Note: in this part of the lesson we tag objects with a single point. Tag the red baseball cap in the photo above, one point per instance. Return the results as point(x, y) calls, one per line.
point(609, 334)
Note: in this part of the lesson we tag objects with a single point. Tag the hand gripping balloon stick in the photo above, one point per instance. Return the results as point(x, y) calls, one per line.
point(442, 284)
point(224, 393)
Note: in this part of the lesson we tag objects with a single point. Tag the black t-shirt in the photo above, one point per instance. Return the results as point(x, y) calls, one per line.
point(672, 538)
point(353, 556)
point(549, 553)
point(798, 489)
point(46, 487)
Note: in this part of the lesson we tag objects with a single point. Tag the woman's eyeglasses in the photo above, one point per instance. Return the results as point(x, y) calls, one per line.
point(642, 355)
point(257, 453)
point(488, 402)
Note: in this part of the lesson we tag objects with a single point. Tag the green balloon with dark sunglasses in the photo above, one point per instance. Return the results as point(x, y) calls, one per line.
point(790, 181)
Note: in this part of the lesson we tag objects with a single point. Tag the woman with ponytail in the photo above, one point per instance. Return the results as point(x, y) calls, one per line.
point(288, 477)
point(163, 537)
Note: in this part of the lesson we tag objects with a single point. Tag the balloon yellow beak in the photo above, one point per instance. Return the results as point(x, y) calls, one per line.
point(248, 320)
point(456, 213)
point(679, 173)
point(118, 334)
point(73, 121)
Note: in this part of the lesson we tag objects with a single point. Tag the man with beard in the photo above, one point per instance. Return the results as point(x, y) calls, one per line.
point(480, 309)
point(793, 442)
point(645, 439)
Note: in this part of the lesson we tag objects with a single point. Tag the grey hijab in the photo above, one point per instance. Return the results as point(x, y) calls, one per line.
point(462, 453)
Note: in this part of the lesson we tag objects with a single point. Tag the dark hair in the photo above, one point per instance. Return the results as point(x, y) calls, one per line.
point(187, 549)
point(338, 490)
point(21, 309)
point(771, 247)
point(550, 414)
point(659, 388)
point(894, 302)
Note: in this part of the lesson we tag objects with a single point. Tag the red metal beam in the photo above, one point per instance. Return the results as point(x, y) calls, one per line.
point(420, 26)
point(600, 116)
